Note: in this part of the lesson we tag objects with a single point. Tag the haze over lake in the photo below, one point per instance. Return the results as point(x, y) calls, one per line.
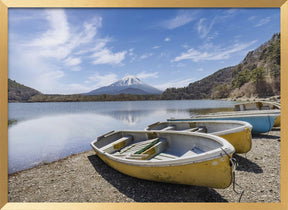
point(45, 132)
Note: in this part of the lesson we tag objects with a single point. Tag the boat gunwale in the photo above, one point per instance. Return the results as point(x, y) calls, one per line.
point(277, 105)
point(203, 117)
point(242, 127)
point(247, 113)
point(222, 151)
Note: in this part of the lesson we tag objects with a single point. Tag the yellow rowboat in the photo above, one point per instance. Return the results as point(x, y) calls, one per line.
point(237, 133)
point(259, 105)
point(166, 156)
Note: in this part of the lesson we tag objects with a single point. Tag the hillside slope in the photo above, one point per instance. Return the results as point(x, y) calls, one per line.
point(258, 75)
point(20, 93)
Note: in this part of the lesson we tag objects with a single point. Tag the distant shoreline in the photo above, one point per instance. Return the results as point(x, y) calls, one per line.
point(128, 97)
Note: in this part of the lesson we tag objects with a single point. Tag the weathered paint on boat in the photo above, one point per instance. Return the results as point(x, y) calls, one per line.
point(237, 133)
point(189, 174)
point(242, 140)
point(195, 169)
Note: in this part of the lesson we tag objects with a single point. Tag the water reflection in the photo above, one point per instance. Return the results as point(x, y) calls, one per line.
point(50, 138)
point(50, 131)
point(129, 117)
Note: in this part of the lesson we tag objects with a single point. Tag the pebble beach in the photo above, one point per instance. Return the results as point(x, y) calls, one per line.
point(86, 178)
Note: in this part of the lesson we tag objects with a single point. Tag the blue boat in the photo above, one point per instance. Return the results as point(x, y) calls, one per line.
point(261, 122)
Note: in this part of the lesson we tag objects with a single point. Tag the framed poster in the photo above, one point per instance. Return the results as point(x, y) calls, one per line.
point(73, 35)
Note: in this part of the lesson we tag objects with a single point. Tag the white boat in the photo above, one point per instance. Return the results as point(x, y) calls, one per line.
point(257, 105)
point(166, 156)
point(260, 105)
point(262, 121)
point(238, 133)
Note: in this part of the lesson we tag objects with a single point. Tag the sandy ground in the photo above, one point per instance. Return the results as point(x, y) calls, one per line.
point(85, 178)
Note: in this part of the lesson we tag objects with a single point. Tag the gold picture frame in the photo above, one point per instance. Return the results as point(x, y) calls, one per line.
point(5, 4)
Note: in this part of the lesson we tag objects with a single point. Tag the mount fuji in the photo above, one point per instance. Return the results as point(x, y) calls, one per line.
point(128, 85)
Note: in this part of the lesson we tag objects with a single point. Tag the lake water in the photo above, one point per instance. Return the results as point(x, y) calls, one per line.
point(45, 132)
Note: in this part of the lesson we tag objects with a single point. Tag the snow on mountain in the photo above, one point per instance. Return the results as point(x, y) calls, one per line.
point(127, 81)
point(128, 85)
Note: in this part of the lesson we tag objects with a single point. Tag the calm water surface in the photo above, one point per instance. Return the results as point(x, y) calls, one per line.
point(45, 132)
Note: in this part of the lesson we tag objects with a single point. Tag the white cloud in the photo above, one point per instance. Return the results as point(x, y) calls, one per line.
point(145, 75)
point(185, 46)
point(103, 80)
point(60, 40)
point(105, 56)
point(59, 31)
point(263, 21)
point(132, 54)
point(155, 47)
point(76, 68)
point(75, 88)
point(98, 45)
point(212, 36)
point(29, 68)
point(215, 53)
point(180, 20)
point(72, 61)
point(90, 29)
point(175, 83)
point(146, 55)
point(44, 61)
point(200, 69)
point(252, 18)
point(204, 27)
point(167, 39)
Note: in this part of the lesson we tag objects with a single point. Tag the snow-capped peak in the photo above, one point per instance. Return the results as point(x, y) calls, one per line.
point(128, 80)
point(128, 85)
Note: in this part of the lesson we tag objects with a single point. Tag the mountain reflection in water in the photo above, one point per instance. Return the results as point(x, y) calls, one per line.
point(46, 132)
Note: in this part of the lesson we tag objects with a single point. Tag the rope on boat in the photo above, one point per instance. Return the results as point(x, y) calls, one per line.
point(234, 164)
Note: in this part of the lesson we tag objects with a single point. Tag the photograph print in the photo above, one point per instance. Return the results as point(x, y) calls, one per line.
point(144, 105)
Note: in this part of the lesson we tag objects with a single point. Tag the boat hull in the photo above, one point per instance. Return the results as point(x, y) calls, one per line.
point(277, 122)
point(189, 174)
point(241, 141)
point(235, 132)
point(260, 123)
point(259, 106)
point(177, 157)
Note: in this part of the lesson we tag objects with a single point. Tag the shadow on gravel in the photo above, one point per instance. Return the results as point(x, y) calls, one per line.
point(265, 136)
point(269, 135)
point(147, 191)
point(276, 129)
point(247, 165)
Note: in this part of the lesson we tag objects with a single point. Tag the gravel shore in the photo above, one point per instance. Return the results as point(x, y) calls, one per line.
point(86, 178)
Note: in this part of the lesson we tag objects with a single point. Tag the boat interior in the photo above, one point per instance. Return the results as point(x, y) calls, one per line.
point(155, 146)
point(200, 127)
point(256, 106)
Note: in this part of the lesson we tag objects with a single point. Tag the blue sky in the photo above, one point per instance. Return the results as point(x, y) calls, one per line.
point(77, 50)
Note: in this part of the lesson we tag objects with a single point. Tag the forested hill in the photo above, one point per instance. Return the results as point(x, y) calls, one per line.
point(20, 93)
point(258, 75)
